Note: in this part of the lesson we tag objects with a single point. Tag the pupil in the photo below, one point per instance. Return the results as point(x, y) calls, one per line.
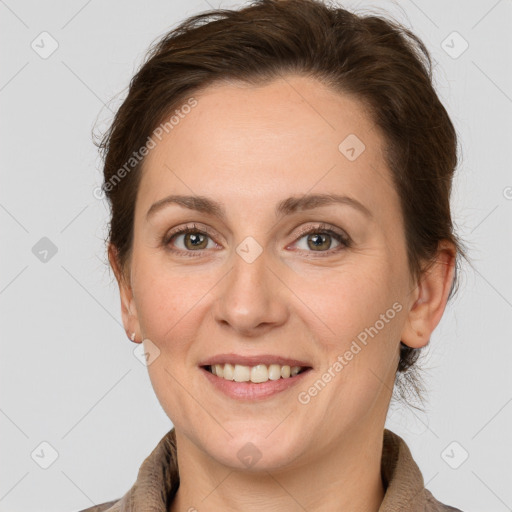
point(195, 239)
point(320, 239)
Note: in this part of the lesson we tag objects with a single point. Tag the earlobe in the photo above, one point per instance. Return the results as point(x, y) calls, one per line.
point(128, 308)
point(431, 296)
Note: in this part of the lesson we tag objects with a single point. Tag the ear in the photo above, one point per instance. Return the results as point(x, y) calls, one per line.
point(430, 297)
point(128, 308)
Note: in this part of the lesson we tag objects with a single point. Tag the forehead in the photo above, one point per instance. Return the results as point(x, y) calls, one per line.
point(286, 137)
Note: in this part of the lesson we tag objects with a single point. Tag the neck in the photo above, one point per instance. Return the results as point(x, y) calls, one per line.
point(346, 476)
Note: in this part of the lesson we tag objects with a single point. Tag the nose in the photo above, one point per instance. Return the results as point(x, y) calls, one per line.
point(251, 299)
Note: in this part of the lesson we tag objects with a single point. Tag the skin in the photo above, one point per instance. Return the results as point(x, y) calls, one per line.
point(250, 147)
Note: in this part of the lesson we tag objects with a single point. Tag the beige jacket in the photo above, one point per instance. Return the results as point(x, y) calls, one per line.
point(158, 481)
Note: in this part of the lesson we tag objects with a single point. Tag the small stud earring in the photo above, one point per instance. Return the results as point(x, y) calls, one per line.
point(133, 336)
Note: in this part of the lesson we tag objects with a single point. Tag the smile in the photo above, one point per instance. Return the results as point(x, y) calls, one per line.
point(257, 374)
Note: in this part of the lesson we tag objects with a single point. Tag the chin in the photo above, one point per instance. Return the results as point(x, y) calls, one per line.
point(254, 453)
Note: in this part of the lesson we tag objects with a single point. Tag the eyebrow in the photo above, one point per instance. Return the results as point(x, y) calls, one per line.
point(285, 207)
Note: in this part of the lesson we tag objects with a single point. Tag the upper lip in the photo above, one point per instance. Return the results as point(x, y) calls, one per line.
point(266, 359)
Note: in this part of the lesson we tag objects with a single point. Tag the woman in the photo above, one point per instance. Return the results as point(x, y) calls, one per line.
point(279, 179)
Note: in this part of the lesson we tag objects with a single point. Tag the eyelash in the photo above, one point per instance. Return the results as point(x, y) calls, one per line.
point(320, 229)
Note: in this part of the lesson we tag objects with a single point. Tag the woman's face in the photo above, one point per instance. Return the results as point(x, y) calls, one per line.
point(256, 285)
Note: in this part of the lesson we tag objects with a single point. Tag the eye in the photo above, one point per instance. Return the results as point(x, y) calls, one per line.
point(320, 237)
point(195, 240)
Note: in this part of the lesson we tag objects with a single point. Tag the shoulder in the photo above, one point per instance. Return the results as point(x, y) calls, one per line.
point(436, 506)
point(100, 507)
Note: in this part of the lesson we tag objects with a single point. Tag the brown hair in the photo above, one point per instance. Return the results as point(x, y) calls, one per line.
point(376, 60)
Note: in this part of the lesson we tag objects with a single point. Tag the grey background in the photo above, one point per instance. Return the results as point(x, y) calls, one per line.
point(68, 373)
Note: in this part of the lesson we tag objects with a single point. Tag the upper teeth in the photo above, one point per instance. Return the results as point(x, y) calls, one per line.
point(258, 373)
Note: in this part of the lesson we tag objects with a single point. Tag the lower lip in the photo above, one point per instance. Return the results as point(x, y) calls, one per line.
point(251, 391)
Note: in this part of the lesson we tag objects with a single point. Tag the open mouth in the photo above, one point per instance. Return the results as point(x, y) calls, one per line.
point(255, 374)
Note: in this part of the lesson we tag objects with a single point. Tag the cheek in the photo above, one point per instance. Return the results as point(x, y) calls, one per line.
point(348, 301)
point(170, 314)
point(359, 335)
point(356, 319)
point(166, 311)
